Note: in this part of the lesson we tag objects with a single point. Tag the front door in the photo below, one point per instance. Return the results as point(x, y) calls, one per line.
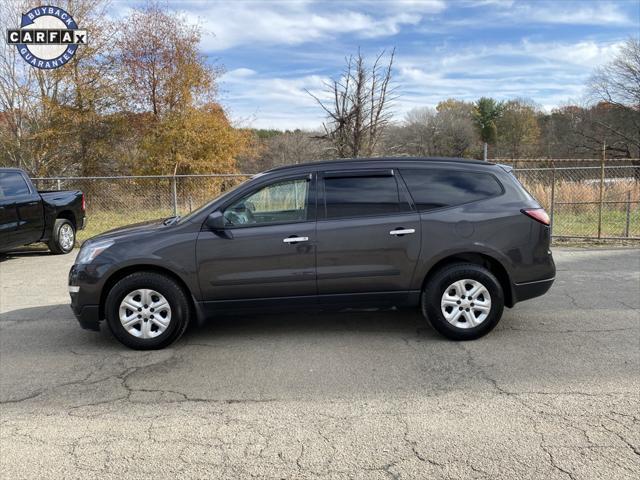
point(267, 250)
point(23, 212)
point(368, 235)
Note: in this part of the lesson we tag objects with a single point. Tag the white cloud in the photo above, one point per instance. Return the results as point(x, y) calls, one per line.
point(547, 72)
point(576, 14)
point(231, 24)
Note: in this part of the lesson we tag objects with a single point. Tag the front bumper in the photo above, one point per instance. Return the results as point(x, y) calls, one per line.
point(85, 297)
point(88, 316)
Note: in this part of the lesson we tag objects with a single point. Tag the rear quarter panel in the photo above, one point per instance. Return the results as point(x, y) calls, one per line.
point(495, 227)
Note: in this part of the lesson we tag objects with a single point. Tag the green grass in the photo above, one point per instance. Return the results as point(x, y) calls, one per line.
point(585, 224)
point(566, 222)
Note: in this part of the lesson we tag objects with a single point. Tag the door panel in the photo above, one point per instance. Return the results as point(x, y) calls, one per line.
point(361, 256)
point(357, 251)
point(256, 262)
point(30, 213)
point(268, 246)
point(23, 216)
point(8, 222)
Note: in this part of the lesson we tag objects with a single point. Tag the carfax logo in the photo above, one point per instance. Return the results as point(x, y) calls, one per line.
point(48, 37)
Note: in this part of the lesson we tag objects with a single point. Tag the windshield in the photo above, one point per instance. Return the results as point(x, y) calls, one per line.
point(207, 205)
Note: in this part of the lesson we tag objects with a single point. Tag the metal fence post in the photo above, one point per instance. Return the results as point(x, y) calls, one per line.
point(553, 199)
point(628, 215)
point(174, 189)
point(604, 149)
point(58, 182)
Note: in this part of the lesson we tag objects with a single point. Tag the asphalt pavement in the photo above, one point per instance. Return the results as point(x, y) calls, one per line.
point(552, 392)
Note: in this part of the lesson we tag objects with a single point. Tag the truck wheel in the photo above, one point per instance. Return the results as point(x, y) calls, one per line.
point(463, 301)
point(63, 236)
point(147, 311)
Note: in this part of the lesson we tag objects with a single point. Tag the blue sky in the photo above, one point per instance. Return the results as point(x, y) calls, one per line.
point(273, 50)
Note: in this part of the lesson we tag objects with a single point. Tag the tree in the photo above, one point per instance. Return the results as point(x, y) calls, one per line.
point(162, 68)
point(456, 127)
point(518, 131)
point(485, 113)
point(358, 112)
point(618, 82)
point(53, 120)
point(195, 140)
point(618, 85)
point(446, 131)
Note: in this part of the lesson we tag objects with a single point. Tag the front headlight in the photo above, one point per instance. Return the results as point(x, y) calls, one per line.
point(90, 250)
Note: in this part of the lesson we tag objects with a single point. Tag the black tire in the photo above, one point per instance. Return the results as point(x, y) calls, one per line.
point(435, 289)
point(173, 293)
point(56, 243)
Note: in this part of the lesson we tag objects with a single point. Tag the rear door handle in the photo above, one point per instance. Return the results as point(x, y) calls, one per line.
point(295, 239)
point(402, 231)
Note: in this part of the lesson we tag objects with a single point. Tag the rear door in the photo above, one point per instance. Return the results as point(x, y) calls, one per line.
point(368, 235)
point(267, 249)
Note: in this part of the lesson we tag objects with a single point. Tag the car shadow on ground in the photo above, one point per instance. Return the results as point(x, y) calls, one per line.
point(25, 252)
point(58, 324)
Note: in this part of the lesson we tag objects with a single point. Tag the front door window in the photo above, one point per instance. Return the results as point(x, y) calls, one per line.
point(281, 202)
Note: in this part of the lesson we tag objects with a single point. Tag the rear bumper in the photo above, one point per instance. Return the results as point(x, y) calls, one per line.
point(527, 290)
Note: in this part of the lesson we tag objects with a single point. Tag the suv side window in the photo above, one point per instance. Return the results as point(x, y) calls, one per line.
point(358, 196)
point(432, 188)
point(13, 184)
point(285, 201)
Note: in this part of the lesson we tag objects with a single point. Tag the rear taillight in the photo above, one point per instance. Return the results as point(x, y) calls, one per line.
point(84, 205)
point(537, 214)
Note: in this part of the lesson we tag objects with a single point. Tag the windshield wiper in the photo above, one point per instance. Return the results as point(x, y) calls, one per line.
point(171, 220)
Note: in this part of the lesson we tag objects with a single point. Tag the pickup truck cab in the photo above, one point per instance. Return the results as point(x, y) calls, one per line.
point(29, 216)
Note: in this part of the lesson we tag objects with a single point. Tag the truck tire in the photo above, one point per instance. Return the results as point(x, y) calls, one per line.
point(147, 311)
point(63, 236)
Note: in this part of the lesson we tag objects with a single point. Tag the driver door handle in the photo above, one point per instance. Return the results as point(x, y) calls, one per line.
point(295, 239)
point(402, 231)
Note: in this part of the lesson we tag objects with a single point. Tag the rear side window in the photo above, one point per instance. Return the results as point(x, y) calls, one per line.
point(362, 196)
point(12, 184)
point(440, 188)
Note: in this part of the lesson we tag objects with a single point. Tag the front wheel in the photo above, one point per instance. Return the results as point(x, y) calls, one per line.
point(63, 236)
point(147, 311)
point(463, 301)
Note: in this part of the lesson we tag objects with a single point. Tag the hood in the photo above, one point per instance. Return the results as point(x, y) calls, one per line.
point(129, 231)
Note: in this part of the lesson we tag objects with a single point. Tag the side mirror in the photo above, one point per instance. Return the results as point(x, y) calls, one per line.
point(215, 221)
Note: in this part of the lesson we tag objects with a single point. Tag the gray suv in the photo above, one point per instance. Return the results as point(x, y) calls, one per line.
point(459, 239)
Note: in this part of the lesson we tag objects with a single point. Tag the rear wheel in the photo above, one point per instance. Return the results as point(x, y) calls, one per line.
point(463, 301)
point(63, 236)
point(147, 311)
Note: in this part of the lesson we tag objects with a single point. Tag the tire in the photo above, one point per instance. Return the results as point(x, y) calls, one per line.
point(63, 237)
point(478, 315)
point(146, 291)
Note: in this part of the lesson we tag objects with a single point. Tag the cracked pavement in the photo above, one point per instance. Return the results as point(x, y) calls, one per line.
point(552, 393)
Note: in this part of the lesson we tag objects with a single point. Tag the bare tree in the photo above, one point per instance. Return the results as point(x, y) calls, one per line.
point(358, 112)
point(618, 82)
point(618, 85)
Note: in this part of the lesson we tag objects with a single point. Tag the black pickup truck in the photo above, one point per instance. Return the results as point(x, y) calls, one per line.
point(29, 216)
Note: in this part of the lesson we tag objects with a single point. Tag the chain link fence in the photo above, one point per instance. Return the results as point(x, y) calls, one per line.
point(583, 202)
point(588, 202)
